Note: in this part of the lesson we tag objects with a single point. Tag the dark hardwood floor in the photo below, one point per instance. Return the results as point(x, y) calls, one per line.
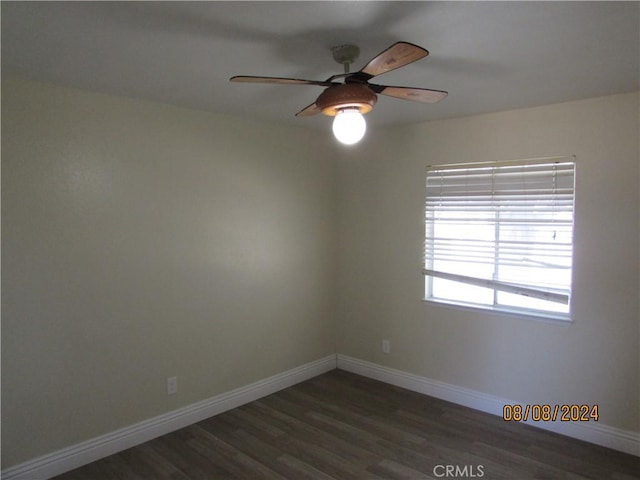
point(343, 426)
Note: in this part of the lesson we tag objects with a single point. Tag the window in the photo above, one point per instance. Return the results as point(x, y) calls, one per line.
point(500, 235)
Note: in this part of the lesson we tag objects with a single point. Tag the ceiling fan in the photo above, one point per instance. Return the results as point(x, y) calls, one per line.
point(355, 96)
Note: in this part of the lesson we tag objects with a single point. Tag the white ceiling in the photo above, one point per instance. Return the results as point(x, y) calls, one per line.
point(490, 56)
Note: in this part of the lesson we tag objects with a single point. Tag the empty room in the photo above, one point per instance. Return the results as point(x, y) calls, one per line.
point(320, 240)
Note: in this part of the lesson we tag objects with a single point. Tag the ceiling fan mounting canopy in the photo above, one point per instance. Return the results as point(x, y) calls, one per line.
point(355, 91)
point(345, 55)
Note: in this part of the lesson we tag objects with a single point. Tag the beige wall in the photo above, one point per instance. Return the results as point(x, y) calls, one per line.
point(142, 241)
point(595, 360)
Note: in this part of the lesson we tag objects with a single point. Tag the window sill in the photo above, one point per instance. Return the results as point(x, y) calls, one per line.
point(559, 319)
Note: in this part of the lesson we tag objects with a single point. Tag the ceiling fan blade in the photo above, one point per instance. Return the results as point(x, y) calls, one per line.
point(279, 80)
point(397, 55)
point(309, 111)
point(424, 95)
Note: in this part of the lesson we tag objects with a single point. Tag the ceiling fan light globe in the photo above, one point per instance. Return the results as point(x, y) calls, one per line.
point(349, 126)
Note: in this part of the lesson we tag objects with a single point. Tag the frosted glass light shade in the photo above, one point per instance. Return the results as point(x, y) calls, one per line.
point(349, 126)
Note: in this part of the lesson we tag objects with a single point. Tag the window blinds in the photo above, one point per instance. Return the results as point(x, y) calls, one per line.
point(505, 226)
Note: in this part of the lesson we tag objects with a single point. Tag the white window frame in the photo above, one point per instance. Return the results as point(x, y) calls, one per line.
point(533, 196)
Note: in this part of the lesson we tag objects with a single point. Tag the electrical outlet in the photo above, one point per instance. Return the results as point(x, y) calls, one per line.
point(172, 385)
point(386, 346)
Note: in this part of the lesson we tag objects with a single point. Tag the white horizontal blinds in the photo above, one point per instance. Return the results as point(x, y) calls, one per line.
point(506, 226)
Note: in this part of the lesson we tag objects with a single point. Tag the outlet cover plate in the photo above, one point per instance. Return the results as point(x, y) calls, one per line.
point(172, 385)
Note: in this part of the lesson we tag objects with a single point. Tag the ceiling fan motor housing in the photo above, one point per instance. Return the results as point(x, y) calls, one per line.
point(348, 95)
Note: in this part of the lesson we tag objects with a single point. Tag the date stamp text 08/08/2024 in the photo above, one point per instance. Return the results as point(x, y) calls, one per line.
point(550, 413)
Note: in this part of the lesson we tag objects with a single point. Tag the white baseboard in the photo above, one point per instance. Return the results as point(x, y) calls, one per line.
point(94, 449)
point(615, 438)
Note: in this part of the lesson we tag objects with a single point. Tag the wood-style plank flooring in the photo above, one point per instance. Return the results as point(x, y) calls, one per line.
point(344, 426)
